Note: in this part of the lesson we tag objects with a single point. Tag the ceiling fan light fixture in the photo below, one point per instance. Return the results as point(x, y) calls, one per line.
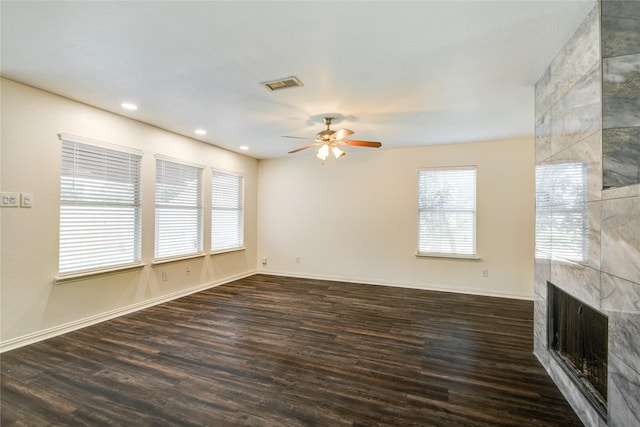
point(323, 152)
point(337, 152)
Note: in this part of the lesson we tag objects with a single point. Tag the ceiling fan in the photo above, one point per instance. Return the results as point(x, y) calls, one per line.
point(331, 140)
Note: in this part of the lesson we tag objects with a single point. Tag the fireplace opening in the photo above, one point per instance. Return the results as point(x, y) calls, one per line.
point(578, 339)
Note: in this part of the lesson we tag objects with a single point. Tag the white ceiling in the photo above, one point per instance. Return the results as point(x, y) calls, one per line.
point(403, 73)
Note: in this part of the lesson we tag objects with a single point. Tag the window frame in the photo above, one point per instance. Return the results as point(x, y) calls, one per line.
point(102, 197)
point(422, 209)
point(162, 254)
point(239, 208)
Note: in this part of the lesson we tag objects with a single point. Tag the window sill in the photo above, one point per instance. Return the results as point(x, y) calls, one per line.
point(174, 259)
point(224, 251)
point(72, 277)
point(448, 256)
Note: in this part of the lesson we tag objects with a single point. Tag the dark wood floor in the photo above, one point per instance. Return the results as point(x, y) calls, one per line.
point(275, 351)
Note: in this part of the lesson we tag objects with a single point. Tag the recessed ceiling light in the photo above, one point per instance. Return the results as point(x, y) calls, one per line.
point(201, 132)
point(129, 106)
point(244, 147)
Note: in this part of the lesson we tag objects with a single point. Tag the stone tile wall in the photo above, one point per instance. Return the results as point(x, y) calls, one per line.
point(620, 26)
point(587, 238)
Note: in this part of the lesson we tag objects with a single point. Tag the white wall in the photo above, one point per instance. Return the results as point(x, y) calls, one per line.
point(356, 218)
point(32, 306)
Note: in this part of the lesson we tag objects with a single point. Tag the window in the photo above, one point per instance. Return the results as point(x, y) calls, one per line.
point(227, 211)
point(178, 209)
point(447, 212)
point(562, 219)
point(99, 206)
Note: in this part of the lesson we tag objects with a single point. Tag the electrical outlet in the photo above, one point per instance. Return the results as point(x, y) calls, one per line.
point(264, 260)
point(297, 259)
point(188, 271)
point(165, 276)
point(484, 272)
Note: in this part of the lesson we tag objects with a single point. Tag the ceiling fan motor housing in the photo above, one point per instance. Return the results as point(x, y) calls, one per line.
point(325, 135)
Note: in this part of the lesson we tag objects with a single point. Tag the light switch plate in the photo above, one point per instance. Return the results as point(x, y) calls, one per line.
point(9, 199)
point(26, 200)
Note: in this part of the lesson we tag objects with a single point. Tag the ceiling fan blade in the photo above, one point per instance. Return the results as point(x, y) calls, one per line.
point(342, 133)
point(298, 137)
point(357, 143)
point(305, 147)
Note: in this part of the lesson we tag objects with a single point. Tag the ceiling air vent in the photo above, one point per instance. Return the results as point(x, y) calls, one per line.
point(282, 83)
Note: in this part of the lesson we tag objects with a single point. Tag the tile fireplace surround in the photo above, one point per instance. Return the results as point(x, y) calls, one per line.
point(587, 238)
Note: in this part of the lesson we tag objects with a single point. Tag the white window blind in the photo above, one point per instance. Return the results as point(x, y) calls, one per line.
point(447, 212)
point(227, 211)
point(178, 227)
point(99, 207)
point(562, 218)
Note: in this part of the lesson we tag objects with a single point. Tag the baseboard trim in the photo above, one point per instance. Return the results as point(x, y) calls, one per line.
point(92, 320)
point(401, 284)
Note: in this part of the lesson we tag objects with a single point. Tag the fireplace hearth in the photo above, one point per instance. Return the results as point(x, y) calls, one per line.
point(578, 340)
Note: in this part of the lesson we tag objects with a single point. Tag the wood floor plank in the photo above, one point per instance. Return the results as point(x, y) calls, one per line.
point(280, 351)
